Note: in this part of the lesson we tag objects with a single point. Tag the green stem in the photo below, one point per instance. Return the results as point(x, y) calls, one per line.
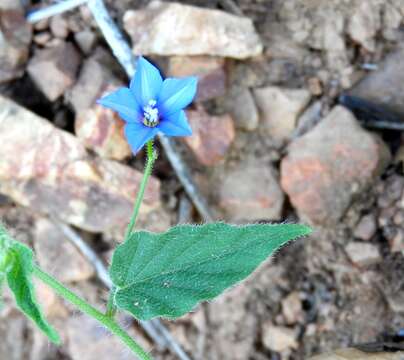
point(151, 158)
point(86, 308)
point(111, 308)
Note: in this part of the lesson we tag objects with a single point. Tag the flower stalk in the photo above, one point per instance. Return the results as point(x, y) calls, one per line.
point(151, 158)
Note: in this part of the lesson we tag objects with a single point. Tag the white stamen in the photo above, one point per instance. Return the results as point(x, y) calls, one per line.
point(151, 114)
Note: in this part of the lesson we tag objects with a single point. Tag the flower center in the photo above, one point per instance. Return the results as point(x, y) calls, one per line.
point(151, 114)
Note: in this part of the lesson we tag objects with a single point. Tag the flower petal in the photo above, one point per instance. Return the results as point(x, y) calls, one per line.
point(123, 102)
point(147, 82)
point(130, 119)
point(137, 135)
point(176, 94)
point(175, 125)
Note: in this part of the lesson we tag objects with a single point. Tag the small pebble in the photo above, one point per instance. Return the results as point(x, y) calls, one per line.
point(366, 228)
point(397, 242)
point(315, 86)
point(386, 216)
point(363, 254)
point(398, 218)
point(58, 27)
point(42, 38)
point(41, 25)
point(85, 40)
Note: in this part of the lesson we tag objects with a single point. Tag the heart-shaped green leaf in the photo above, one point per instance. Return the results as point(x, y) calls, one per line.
point(168, 274)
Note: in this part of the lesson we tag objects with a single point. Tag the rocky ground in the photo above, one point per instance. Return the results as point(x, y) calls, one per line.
point(298, 118)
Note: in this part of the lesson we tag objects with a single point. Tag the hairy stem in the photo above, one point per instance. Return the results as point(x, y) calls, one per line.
point(86, 308)
point(111, 308)
point(151, 158)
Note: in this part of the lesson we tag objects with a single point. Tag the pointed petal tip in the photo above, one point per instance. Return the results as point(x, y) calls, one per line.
point(147, 82)
point(121, 101)
point(177, 93)
point(176, 125)
point(100, 101)
point(194, 79)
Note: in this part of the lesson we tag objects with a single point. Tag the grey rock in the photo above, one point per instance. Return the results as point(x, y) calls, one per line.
point(385, 86)
point(251, 192)
point(366, 227)
point(57, 255)
point(175, 29)
point(15, 39)
point(280, 109)
point(54, 70)
point(241, 106)
point(363, 254)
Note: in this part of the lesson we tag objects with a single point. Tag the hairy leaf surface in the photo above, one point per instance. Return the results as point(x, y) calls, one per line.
point(19, 279)
point(168, 274)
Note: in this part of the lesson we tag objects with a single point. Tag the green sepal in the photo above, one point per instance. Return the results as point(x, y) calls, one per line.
point(168, 274)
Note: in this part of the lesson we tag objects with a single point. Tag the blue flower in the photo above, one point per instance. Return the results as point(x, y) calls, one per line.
point(151, 105)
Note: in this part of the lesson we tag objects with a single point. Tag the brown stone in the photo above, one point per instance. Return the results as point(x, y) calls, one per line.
point(278, 338)
point(57, 255)
point(55, 175)
point(366, 227)
point(231, 325)
point(327, 166)
point(13, 344)
point(386, 216)
point(395, 301)
point(363, 254)
point(85, 40)
point(292, 309)
point(101, 130)
point(365, 23)
point(315, 86)
point(94, 79)
point(42, 25)
point(15, 39)
point(251, 192)
point(398, 218)
point(176, 29)
point(209, 70)
point(397, 242)
point(280, 108)
point(211, 136)
point(242, 108)
point(59, 27)
point(54, 70)
point(42, 38)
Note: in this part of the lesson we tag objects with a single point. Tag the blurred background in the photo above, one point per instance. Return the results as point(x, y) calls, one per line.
point(298, 118)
